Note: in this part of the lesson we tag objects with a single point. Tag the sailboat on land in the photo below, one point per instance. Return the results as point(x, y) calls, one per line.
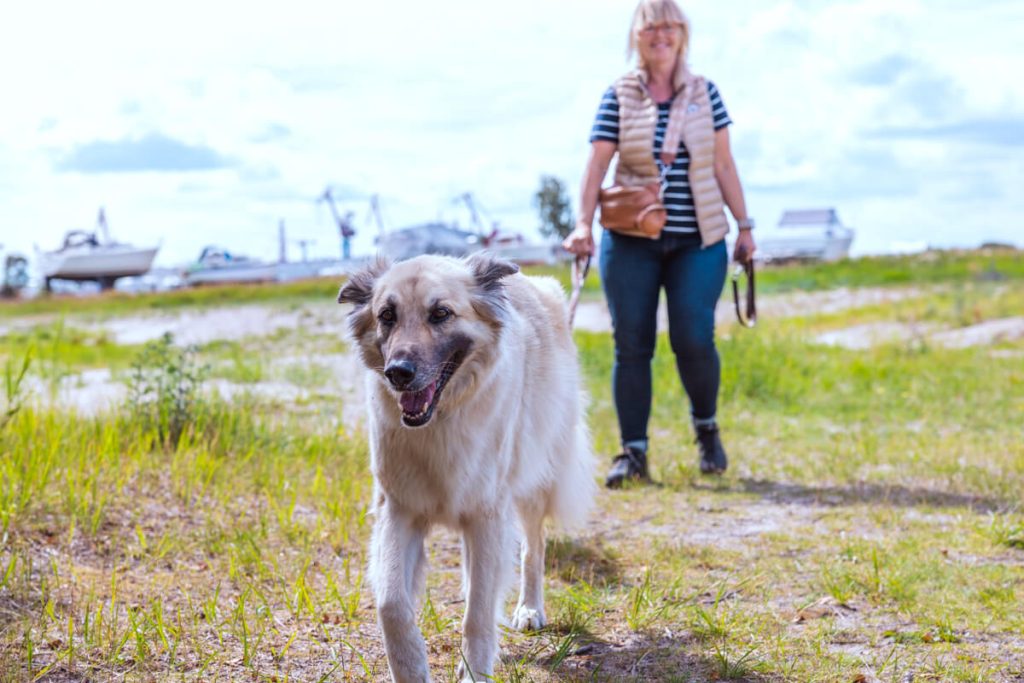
point(83, 257)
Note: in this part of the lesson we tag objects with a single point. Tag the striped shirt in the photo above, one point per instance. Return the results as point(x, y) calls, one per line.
point(682, 217)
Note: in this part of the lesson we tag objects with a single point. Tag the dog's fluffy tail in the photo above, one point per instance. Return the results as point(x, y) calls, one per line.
point(575, 490)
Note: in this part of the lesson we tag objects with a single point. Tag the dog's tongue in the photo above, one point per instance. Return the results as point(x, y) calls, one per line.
point(415, 402)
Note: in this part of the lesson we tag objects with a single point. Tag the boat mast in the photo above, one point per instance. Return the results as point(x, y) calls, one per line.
point(486, 236)
point(282, 245)
point(101, 222)
point(375, 210)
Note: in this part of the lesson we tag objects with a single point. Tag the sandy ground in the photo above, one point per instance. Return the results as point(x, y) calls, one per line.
point(207, 325)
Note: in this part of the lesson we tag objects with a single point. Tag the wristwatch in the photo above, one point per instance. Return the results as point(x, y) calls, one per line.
point(745, 224)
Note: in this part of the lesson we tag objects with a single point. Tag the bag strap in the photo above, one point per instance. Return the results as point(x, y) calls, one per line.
point(676, 123)
point(751, 314)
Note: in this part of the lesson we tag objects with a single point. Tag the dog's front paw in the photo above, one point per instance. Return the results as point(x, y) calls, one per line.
point(464, 676)
point(528, 619)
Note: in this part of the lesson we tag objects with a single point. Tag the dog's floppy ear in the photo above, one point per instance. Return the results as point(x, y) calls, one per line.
point(489, 270)
point(359, 288)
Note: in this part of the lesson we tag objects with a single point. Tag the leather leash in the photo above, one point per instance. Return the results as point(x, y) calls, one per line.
point(750, 319)
point(580, 268)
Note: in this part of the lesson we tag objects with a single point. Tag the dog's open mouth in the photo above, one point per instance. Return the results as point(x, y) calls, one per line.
point(418, 406)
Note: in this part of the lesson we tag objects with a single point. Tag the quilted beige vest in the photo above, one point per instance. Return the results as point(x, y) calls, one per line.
point(691, 110)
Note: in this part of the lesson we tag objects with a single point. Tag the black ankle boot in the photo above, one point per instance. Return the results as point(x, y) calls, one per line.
point(712, 455)
point(630, 464)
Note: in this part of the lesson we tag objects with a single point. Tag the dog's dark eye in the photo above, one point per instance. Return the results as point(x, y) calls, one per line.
point(387, 316)
point(440, 314)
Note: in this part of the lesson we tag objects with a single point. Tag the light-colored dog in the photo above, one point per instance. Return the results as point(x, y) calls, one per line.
point(475, 420)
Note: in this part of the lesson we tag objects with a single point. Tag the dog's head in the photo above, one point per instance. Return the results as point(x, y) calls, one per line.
point(425, 322)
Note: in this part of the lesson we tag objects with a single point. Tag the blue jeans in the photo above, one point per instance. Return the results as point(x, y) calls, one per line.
point(633, 271)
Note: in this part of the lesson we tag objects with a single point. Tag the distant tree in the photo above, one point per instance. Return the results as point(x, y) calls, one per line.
point(552, 201)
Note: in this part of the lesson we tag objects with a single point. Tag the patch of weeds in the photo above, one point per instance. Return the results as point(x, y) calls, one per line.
point(592, 562)
point(52, 365)
point(513, 671)
point(642, 606)
point(576, 607)
point(307, 375)
point(62, 350)
point(14, 395)
point(730, 667)
point(563, 647)
point(709, 624)
point(230, 361)
point(431, 619)
point(941, 633)
point(1000, 599)
point(838, 585)
point(243, 369)
point(868, 570)
point(1006, 530)
point(961, 670)
point(164, 388)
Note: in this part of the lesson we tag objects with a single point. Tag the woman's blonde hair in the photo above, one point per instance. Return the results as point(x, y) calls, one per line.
point(658, 12)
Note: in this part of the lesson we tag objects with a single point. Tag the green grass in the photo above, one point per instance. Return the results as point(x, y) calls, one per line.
point(992, 265)
point(242, 535)
point(60, 347)
point(870, 525)
point(118, 303)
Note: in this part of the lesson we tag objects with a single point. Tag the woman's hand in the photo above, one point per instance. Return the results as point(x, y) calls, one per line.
point(743, 250)
point(580, 241)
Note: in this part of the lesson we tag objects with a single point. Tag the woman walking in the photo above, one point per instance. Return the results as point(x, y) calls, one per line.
point(689, 258)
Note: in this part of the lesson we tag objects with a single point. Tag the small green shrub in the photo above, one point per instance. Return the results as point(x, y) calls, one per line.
point(164, 388)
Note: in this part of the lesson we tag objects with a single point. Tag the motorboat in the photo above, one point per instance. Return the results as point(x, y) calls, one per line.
point(806, 235)
point(218, 265)
point(448, 239)
point(83, 256)
point(515, 247)
point(428, 238)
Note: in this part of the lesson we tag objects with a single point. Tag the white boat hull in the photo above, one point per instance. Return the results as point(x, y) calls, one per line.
point(96, 264)
point(247, 273)
point(527, 254)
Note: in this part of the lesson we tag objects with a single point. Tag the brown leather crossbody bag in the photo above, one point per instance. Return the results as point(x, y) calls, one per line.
point(635, 211)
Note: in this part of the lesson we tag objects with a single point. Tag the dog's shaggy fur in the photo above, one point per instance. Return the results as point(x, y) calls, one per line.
point(475, 421)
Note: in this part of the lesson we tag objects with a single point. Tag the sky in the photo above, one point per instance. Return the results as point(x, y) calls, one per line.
point(210, 122)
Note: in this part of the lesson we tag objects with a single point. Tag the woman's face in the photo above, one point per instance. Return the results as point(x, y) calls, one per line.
point(659, 43)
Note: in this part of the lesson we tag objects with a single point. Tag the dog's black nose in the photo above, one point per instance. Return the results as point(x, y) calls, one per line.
point(400, 373)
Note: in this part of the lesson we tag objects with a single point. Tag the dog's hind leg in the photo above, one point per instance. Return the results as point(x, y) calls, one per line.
point(488, 542)
point(396, 557)
point(529, 613)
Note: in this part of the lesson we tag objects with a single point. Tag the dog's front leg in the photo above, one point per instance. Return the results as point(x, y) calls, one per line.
point(396, 558)
point(487, 550)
